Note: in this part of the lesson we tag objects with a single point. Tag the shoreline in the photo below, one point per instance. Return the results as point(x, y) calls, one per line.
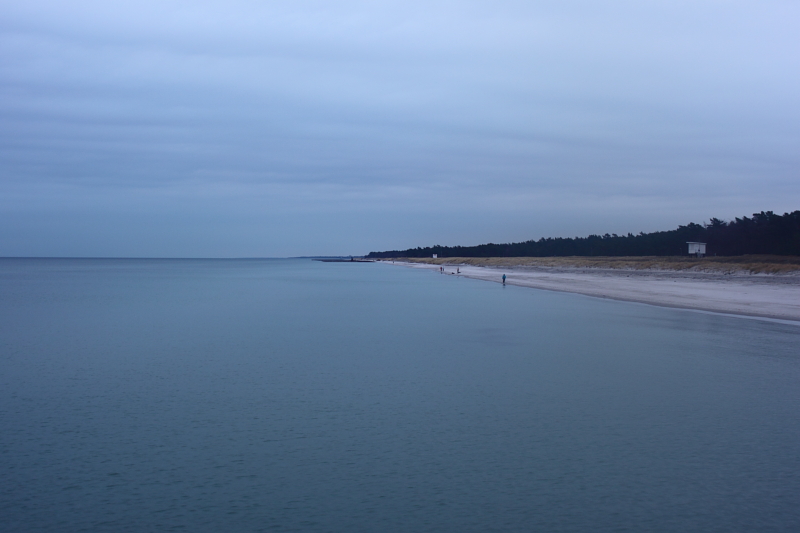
point(764, 296)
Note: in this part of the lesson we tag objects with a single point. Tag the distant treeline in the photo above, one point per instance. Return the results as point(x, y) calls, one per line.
point(764, 233)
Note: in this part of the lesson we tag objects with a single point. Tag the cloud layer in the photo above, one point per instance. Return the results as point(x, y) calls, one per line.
point(263, 129)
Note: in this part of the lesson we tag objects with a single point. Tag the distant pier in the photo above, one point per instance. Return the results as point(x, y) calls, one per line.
point(351, 260)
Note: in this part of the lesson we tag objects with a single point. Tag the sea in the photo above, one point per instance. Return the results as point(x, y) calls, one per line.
point(143, 395)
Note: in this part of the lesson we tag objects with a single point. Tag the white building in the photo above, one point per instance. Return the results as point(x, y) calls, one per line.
point(697, 248)
point(435, 256)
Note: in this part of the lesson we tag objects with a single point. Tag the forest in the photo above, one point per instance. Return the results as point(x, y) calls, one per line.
point(763, 233)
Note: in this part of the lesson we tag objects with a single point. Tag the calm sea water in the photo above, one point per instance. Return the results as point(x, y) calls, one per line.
point(291, 395)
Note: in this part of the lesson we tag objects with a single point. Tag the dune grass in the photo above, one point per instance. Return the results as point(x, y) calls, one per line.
point(744, 264)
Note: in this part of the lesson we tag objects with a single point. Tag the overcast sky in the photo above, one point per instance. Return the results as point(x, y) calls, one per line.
point(266, 129)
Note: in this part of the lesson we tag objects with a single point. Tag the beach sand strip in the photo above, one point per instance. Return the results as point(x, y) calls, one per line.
point(772, 296)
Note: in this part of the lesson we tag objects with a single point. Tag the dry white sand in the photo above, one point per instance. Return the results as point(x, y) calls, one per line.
point(768, 296)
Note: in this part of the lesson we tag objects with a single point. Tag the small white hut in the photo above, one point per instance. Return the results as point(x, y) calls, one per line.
point(697, 248)
point(435, 256)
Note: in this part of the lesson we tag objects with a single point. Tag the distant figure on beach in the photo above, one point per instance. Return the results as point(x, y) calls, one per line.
point(458, 271)
point(504, 279)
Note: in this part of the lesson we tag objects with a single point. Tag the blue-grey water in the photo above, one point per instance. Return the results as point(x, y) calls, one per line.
point(292, 395)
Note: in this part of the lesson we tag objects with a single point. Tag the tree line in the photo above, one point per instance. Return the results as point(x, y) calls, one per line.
point(763, 233)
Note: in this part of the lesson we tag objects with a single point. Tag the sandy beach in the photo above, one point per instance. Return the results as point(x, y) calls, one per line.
point(775, 296)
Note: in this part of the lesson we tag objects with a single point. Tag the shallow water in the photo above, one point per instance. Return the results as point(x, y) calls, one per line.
point(292, 395)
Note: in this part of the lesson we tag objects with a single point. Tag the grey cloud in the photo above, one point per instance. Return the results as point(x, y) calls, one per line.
point(522, 119)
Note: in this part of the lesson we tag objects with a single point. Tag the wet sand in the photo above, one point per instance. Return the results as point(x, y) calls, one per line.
point(773, 296)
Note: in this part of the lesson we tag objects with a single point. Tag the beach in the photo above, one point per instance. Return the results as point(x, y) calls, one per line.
point(774, 296)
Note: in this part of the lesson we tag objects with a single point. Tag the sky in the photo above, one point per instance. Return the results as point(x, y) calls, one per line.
point(272, 129)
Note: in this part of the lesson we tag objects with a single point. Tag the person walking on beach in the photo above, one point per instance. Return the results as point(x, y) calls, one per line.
point(504, 279)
